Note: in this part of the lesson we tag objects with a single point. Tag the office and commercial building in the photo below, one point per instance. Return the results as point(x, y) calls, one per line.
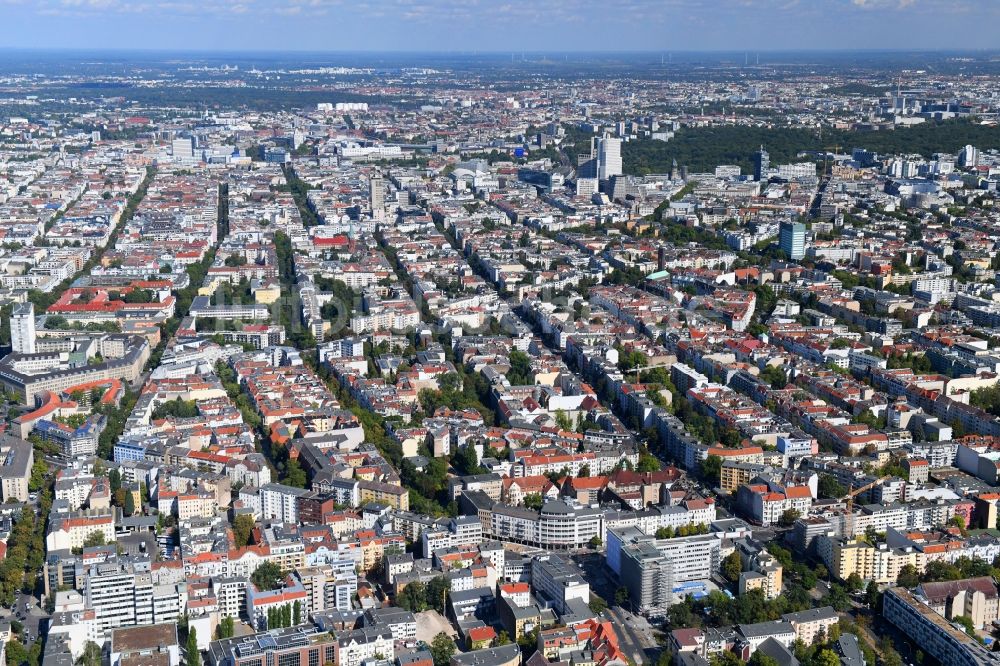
point(296, 646)
point(182, 149)
point(376, 196)
point(22, 328)
point(792, 239)
point(608, 152)
point(654, 570)
point(761, 163)
point(559, 581)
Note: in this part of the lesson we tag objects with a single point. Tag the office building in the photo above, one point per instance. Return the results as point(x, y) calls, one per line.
point(22, 328)
point(156, 644)
point(122, 594)
point(182, 149)
point(608, 153)
point(558, 581)
point(376, 196)
point(969, 157)
point(17, 457)
point(655, 570)
point(792, 239)
point(761, 163)
point(296, 646)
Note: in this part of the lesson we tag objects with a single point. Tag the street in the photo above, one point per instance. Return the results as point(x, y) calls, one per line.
point(30, 619)
point(634, 634)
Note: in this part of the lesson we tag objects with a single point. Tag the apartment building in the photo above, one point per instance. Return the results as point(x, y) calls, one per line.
point(280, 502)
point(974, 598)
point(932, 632)
point(811, 624)
point(881, 563)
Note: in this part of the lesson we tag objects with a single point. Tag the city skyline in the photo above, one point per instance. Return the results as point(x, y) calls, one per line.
point(434, 26)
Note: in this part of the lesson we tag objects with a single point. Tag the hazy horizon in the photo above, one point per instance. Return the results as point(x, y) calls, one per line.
point(557, 26)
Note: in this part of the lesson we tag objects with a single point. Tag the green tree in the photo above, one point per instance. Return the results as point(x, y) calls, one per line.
point(826, 657)
point(91, 655)
point(267, 576)
point(681, 615)
point(295, 476)
point(413, 597)
point(114, 480)
point(774, 376)
point(528, 643)
point(95, 538)
point(647, 461)
point(16, 654)
point(711, 470)
point(854, 582)
point(191, 655)
point(520, 373)
point(465, 460)
point(967, 625)
point(437, 590)
point(621, 596)
point(726, 658)
point(533, 501)
point(939, 570)
point(830, 488)
point(129, 503)
point(838, 598)
point(908, 577)
point(597, 604)
point(296, 614)
point(242, 529)
point(789, 517)
point(872, 595)
point(227, 628)
point(761, 659)
point(39, 470)
point(442, 649)
point(732, 567)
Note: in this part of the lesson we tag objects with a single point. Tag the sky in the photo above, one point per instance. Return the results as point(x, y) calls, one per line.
point(500, 25)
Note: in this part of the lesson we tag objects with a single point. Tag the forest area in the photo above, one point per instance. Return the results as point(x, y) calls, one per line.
point(701, 149)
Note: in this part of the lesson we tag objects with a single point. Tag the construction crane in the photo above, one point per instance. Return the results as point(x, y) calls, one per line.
point(849, 498)
point(826, 157)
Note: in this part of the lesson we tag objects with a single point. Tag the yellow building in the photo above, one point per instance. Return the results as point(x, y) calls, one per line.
point(765, 575)
point(395, 496)
point(735, 474)
point(880, 564)
point(266, 292)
